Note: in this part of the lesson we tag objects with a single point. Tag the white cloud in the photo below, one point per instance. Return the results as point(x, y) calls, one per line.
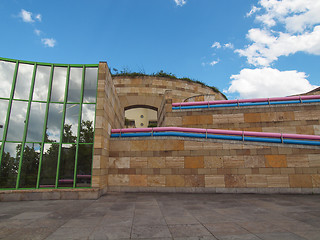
point(49, 42)
point(216, 45)
point(228, 45)
point(26, 16)
point(299, 19)
point(214, 62)
point(253, 10)
point(268, 82)
point(180, 2)
point(37, 32)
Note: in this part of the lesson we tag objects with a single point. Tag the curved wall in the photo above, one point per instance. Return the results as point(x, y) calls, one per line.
point(149, 90)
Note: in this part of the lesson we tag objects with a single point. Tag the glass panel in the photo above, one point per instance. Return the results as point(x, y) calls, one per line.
point(54, 122)
point(84, 165)
point(70, 128)
point(74, 89)
point(36, 121)
point(87, 123)
point(90, 85)
point(68, 153)
point(58, 84)
point(41, 83)
point(6, 77)
point(9, 165)
point(3, 115)
point(49, 165)
point(30, 164)
point(23, 82)
point(17, 121)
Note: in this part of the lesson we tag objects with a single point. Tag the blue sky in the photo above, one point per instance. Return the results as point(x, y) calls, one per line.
point(246, 48)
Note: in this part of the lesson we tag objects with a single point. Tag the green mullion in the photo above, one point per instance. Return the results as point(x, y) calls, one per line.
point(20, 100)
point(94, 128)
point(2, 98)
point(79, 127)
point(62, 124)
point(26, 124)
point(45, 125)
point(9, 108)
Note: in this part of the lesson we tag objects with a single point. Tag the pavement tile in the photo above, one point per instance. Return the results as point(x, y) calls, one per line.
point(280, 236)
point(70, 233)
point(114, 232)
point(238, 237)
point(188, 230)
point(310, 235)
point(227, 228)
point(261, 227)
point(150, 231)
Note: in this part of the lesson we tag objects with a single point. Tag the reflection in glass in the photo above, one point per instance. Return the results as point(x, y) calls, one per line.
point(74, 89)
point(41, 83)
point(23, 82)
point(90, 85)
point(54, 122)
point(30, 164)
point(6, 77)
point(49, 165)
point(3, 115)
point(66, 171)
point(58, 84)
point(17, 121)
point(70, 128)
point(36, 120)
point(84, 165)
point(87, 123)
point(9, 165)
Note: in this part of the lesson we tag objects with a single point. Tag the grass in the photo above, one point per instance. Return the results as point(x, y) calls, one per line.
point(126, 72)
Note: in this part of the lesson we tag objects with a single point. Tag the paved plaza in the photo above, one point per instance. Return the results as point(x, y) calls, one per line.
point(164, 216)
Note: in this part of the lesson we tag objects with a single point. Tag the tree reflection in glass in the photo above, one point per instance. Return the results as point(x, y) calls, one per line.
point(67, 160)
point(49, 165)
point(90, 85)
point(23, 82)
point(70, 129)
point(84, 165)
point(17, 121)
point(9, 165)
point(87, 123)
point(6, 78)
point(30, 165)
point(41, 83)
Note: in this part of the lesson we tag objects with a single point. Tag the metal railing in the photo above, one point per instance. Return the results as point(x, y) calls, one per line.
point(285, 138)
point(247, 102)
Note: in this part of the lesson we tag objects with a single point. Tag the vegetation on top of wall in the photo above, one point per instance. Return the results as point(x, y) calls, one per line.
point(161, 73)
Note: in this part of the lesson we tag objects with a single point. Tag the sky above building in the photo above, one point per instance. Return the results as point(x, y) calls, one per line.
point(246, 48)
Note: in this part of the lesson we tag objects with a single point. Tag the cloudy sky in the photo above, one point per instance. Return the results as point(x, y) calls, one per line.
point(246, 48)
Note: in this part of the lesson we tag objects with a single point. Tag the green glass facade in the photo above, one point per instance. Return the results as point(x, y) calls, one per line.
point(47, 114)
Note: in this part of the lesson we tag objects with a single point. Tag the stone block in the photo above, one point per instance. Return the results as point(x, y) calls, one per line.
point(118, 180)
point(175, 181)
point(194, 180)
point(156, 162)
point(156, 181)
point(214, 181)
point(276, 161)
point(213, 162)
point(315, 180)
point(300, 181)
point(235, 181)
point(255, 161)
point(139, 145)
point(298, 161)
point(88, 194)
point(275, 181)
point(314, 160)
point(174, 162)
point(138, 180)
point(138, 162)
point(256, 181)
point(174, 145)
point(194, 162)
point(252, 117)
point(119, 162)
point(69, 195)
point(233, 162)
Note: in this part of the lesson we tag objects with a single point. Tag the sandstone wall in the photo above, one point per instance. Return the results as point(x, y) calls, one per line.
point(180, 164)
point(109, 114)
point(149, 90)
point(292, 118)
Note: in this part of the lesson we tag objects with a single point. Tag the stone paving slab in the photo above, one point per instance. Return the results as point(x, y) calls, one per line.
point(165, 216)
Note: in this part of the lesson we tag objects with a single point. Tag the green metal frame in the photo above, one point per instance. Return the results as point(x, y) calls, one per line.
point(30, 101)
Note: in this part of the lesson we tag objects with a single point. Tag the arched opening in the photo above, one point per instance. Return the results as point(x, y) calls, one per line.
point(140, 116)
